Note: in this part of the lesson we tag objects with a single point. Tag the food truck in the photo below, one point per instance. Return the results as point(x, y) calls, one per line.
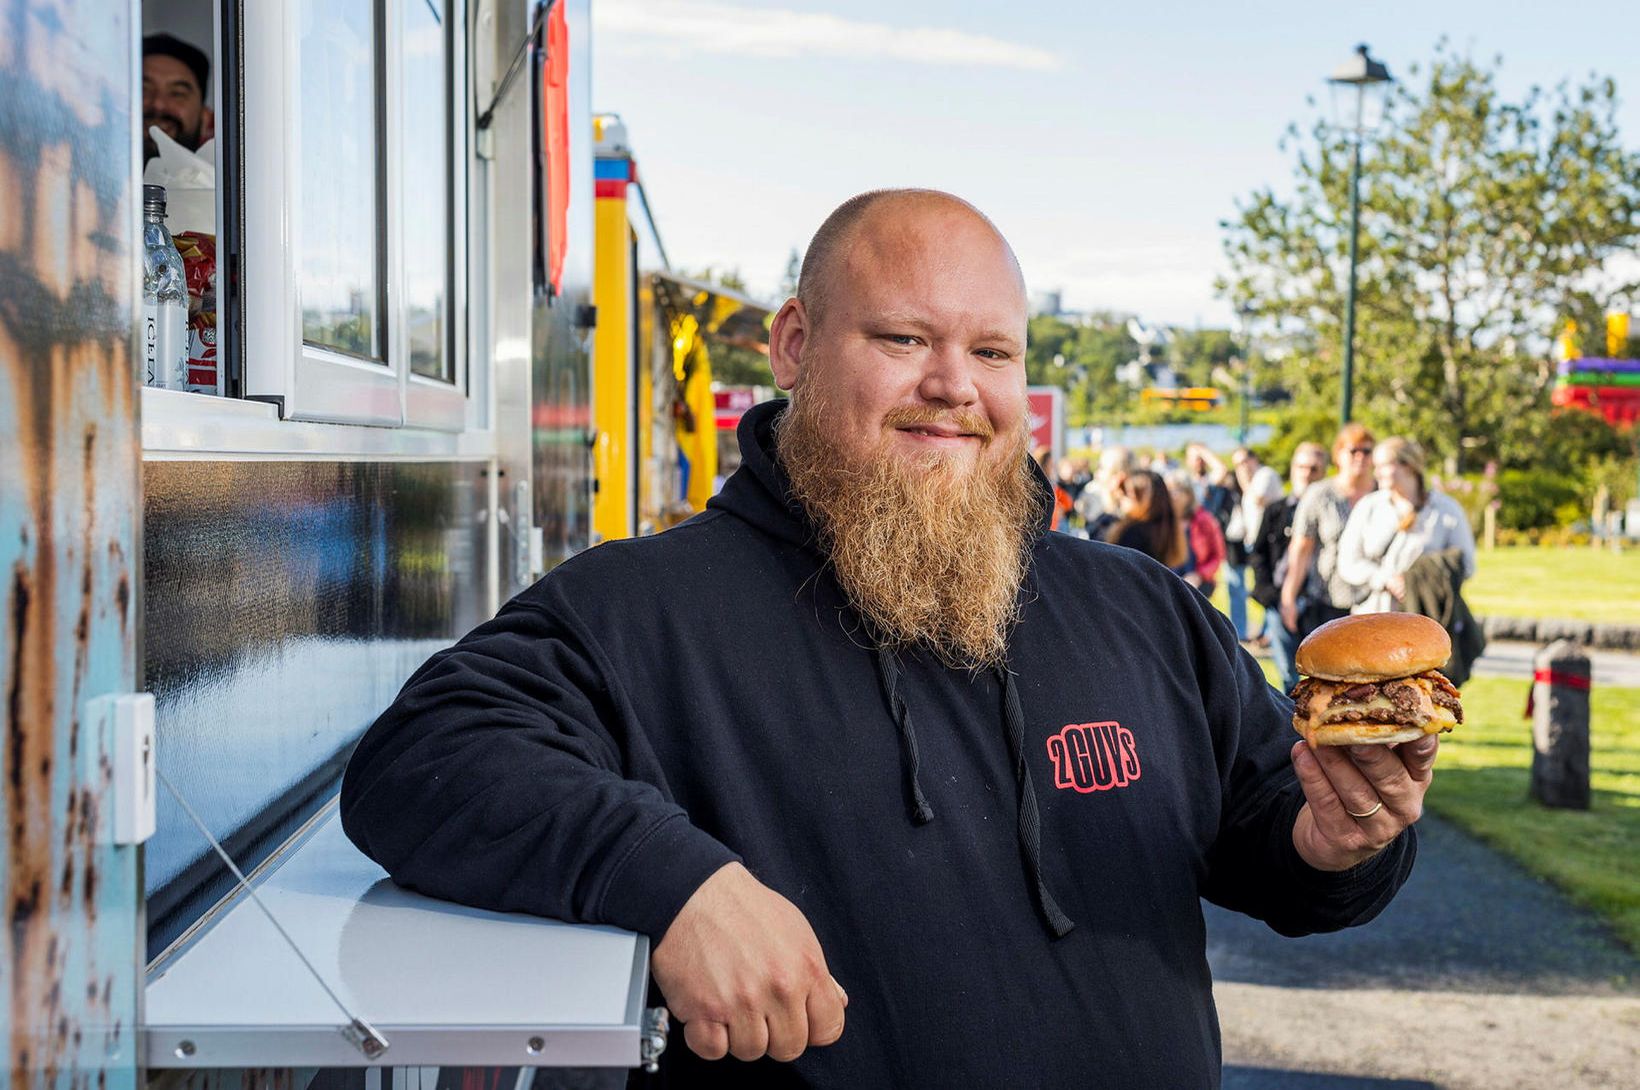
point(432, 377)
point(657, 438)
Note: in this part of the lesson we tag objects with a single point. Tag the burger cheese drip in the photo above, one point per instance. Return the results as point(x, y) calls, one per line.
point(1374, 679)
point(1428, 700)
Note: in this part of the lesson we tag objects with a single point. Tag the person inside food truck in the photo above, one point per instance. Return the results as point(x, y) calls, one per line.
point(174, 78)
point(905, 790)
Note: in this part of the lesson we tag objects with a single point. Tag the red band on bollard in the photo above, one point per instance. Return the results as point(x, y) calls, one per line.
point(1553, 677)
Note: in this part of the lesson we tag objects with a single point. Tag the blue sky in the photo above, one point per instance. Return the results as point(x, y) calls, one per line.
point(1106, 140)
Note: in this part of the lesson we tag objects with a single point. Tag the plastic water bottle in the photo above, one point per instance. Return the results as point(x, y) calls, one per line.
point(164, 299)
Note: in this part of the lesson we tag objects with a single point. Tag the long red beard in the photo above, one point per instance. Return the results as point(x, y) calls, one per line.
point(932, 550)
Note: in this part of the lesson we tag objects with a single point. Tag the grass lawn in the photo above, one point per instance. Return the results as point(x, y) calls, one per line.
point(1481, 781)
point(1574, 582)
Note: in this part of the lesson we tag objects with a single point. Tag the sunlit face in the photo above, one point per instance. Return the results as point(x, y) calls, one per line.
point(1110, 471)
point(920, 350)
point(1307, 468)
point(1356, 461)
point(171, 99)
point(1393, 475)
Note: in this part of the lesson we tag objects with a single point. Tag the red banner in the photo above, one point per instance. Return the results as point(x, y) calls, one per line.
point(555, 122)
point(1044, 403)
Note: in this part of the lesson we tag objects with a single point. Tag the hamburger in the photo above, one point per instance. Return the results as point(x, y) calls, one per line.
point(1374, 679)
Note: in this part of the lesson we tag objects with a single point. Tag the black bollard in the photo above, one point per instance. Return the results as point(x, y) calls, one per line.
point(1560, 726)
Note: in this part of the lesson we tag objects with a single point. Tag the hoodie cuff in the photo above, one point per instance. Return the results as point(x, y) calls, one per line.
point(659, 874)
point(1363, 883)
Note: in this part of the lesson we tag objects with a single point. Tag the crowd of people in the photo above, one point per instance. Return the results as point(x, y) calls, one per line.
point(1372, 537)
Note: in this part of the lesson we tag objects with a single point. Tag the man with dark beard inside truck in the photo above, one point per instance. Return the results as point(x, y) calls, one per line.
point(174, 80)
point(864, 735)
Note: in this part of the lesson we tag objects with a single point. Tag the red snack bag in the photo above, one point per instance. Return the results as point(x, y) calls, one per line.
point(199, 265)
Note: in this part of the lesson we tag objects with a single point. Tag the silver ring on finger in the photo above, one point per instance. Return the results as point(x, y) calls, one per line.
point(1368, 814)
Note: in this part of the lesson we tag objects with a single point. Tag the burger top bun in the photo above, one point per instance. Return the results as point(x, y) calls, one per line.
point(1374, 647)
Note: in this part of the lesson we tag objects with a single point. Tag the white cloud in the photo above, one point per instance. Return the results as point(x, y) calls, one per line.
point(676, 27)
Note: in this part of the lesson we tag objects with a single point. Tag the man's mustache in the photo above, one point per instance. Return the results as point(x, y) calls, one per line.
point(964, 420)
point(156, 119)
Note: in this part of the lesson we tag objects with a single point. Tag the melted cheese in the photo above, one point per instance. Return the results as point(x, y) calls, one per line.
point(1325, 700)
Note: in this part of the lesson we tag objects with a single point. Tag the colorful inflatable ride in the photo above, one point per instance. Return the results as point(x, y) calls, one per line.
point(1610, 387)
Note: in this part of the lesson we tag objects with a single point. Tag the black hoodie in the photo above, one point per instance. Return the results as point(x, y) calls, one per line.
point(656, 708)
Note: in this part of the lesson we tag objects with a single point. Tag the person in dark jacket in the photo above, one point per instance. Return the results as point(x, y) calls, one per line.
point(864, 735)
point(1434, 588)
point(1268, 558)
point(1149, 522)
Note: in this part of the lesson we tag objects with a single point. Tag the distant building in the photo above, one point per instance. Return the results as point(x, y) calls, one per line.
point(1049, 303)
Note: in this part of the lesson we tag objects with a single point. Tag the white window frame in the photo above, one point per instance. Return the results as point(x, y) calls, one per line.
point(428, 402)
point(311, 382)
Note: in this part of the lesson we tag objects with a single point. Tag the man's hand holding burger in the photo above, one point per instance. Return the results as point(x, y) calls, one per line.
point(1385, 782)
point(1370, 713)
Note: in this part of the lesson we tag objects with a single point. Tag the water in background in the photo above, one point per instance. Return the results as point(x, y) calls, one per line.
point(1219, 438)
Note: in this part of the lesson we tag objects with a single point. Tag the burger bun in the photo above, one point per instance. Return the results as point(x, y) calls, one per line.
point(1359, 734)
point(1374, 647)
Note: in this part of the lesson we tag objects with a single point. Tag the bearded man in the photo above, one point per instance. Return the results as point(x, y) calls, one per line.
point(174, 77)
point(865, 725)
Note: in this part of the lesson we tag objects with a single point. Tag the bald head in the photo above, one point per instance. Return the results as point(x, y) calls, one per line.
point(885, 220)
point(910, 302)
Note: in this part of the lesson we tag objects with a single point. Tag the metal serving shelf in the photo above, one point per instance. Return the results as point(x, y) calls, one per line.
point(446, 985)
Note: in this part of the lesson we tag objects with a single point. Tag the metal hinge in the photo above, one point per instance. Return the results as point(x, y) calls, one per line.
point(653, 1041)
point(529, 540)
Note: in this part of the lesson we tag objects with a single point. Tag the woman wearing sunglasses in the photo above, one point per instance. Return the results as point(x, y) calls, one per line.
point(1390, 529)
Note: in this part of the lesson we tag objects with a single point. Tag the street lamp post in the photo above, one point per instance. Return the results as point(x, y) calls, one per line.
point(1245, 314)
point(1368, 77)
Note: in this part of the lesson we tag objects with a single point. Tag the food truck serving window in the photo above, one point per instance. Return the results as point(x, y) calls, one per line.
point(337, 169)
point(345, 166)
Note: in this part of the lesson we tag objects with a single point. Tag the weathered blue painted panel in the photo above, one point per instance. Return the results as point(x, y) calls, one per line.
point(68, 517)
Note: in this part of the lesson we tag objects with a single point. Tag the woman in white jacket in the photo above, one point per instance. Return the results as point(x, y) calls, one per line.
point(1394, 526)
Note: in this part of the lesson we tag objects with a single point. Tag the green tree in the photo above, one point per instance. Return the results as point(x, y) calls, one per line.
point(794, 269)
point(1081, 358)
point(730, 278)
point(1195, 353)
point(1484, 224)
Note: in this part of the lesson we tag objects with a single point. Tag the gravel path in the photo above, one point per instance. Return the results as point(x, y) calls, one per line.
point(1477, 976)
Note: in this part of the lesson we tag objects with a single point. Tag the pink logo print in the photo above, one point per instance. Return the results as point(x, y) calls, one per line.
point(1090, 757)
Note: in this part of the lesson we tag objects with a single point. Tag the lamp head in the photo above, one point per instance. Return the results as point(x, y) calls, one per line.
point(1369, 81)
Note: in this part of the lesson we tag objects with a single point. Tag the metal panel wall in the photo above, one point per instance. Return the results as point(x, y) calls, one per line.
point(68, 557)
point(561, 409)
point(286, 602)
point(504, 188)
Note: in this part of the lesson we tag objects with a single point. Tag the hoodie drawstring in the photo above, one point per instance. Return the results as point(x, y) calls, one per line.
point(1030, 822)
point(889, 672)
